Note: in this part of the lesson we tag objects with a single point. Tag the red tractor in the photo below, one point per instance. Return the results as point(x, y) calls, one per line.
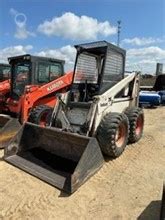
point(31, 96)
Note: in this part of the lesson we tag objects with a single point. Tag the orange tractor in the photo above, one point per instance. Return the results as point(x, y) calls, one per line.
point(31, 96)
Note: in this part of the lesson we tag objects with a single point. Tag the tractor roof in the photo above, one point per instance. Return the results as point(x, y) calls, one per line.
point(34, 58)
point(99, 47)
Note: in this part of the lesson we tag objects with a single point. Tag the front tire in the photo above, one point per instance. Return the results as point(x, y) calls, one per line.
point(112, 134)
point(40, 115)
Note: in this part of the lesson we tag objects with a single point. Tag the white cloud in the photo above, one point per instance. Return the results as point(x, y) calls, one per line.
point(22, 33)
point(13, 51)
point(21, 27)
point(146, 62)
point(74, 27)
point(66, 53)
point(145, 59)
point(142, 41)
point(150, 52)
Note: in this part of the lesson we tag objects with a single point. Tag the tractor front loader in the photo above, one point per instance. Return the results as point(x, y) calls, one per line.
point(100, 116)
point(31, 97)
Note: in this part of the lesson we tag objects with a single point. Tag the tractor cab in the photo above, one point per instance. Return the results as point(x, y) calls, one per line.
point(4, 72)
point(98, 67)
point(32, 70)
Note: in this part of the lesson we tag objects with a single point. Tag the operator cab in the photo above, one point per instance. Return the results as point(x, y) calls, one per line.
point(98, 67)
point(4, 72)
point(33, 70)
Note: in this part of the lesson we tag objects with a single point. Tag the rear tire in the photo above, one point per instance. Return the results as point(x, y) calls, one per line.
point(112, 134)
point(40, 115)
point(136, 120)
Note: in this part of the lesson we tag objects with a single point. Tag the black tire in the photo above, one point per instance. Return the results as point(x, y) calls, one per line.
point(40, 115)
point(136, 120)
point(111, 127)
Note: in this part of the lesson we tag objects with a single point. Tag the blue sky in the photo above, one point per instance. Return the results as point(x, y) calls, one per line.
point(51, 28)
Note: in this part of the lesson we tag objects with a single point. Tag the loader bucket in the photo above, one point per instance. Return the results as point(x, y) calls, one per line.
point(8, 128)
point(62, 159)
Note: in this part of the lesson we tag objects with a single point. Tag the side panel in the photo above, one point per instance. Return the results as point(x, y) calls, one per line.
point(118, 106)
point(108, 102)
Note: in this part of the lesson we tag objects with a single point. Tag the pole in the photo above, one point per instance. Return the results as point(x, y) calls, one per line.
point(118, 32)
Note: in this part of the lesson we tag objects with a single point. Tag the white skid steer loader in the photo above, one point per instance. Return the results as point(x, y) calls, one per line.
point(100, 114)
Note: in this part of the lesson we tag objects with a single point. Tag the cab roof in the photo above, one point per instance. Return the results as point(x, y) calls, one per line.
point(34, 58)
point(99, 47)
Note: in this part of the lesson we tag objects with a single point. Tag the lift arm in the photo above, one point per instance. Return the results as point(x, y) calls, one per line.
point(36, 93)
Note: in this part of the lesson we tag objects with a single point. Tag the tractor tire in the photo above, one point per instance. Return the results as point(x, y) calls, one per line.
point(40, 115)
point(136, 121)
point(112, 134)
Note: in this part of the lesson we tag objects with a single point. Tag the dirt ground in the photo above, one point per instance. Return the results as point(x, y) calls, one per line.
point(126, 188)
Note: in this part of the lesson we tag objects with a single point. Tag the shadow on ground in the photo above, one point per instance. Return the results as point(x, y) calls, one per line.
point(151, 212)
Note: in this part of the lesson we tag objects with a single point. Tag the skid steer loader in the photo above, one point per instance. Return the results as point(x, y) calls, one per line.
point(99, 116)
point(34, 82)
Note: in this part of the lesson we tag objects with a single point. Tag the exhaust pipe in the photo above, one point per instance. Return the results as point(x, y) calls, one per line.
point(8, 129)
point(62, 159)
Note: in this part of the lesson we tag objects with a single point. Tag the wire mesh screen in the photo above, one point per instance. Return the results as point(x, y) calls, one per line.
point(86, 69)
point(114, 66)
point(113, 70)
